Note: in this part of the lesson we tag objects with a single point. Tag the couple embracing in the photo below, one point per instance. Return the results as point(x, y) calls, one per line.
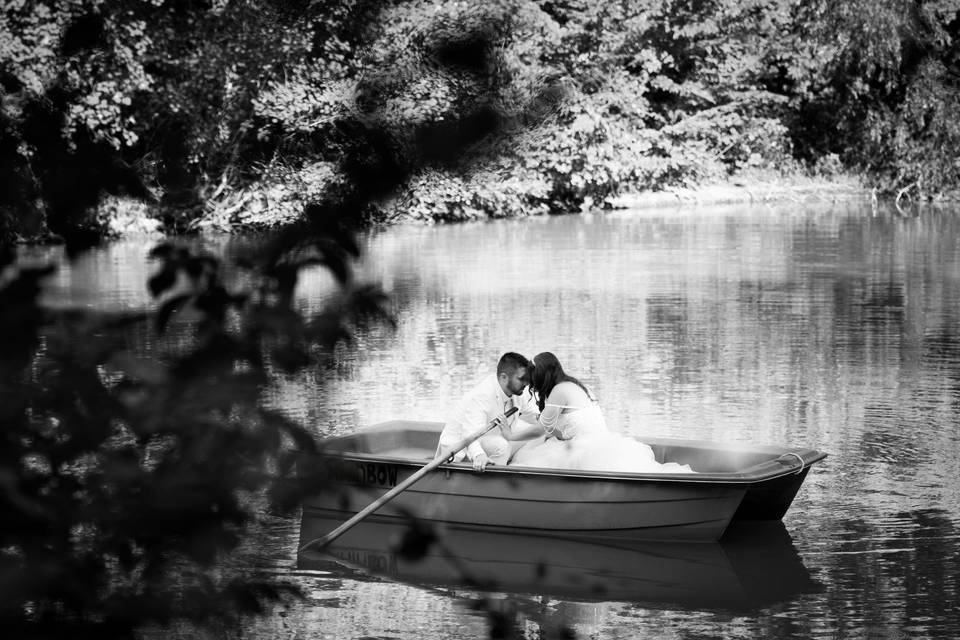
point(558, 423)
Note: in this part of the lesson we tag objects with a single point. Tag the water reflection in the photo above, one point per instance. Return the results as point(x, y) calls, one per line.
point(753, 566)
point(897, 572)
point(824, 327)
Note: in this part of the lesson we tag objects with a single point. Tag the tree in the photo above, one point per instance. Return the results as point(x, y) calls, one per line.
point(125, 482)
point(873, 83)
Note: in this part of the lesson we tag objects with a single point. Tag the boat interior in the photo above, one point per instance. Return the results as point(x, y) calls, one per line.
point(414, 441)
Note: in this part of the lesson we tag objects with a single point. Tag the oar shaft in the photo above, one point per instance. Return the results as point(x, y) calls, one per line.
point(390, 495)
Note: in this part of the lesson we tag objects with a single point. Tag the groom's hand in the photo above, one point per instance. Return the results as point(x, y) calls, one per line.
point(480, 462)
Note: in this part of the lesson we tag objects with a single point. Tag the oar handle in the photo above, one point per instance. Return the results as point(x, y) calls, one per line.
point(390, 495)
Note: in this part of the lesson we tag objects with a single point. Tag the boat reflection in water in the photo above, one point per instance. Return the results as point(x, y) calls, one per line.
point(755, 564)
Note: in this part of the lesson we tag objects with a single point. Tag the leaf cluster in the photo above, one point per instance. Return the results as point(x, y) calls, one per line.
point(131, 479)
point(124, 480)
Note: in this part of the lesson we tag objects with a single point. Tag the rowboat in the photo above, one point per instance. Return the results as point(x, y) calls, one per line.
point(754, 565)
point(731, 483)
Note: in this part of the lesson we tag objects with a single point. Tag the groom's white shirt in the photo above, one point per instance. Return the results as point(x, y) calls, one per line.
point(477, 408)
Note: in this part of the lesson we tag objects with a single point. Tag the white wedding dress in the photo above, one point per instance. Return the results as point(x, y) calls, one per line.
point(582, 441)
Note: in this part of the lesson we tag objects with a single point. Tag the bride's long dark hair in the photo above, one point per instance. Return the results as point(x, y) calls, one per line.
point(548, 373)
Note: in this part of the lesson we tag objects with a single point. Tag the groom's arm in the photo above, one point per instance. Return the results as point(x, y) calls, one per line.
point(474, 419)
point(452, 434)
point(457, 427)
point(527, 426)
point(529, 411)
point(521, 431)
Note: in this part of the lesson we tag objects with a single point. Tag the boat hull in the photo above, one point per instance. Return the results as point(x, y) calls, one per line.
point(552, 505)
point(678, 507)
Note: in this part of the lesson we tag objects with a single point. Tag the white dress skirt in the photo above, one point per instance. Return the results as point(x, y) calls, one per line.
point(581, 441)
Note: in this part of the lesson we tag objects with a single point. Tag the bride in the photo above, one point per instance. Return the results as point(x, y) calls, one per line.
point(571, 432)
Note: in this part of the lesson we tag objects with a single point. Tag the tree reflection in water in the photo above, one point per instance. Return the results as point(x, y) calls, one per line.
point(897, 573)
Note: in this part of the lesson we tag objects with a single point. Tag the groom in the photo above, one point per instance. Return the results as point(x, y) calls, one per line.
point(490, 399)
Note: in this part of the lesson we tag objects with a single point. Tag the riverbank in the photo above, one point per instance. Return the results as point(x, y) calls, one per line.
point(438, 199)
point(816, 191)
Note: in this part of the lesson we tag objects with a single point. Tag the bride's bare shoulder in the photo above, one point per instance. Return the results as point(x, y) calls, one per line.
point(569, 393)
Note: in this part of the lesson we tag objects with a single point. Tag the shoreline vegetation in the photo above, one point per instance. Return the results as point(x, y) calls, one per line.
point(251, 211)
point(114, 123)
point(750, 193)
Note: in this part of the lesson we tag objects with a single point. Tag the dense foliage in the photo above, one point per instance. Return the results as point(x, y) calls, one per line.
point(876, 84)
point(128, 483)
point(238, 112)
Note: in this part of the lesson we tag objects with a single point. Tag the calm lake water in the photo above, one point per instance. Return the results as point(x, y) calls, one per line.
point(811, 325)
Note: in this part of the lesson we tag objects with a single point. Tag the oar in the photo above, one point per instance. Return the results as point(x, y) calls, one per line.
point(390, 495)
